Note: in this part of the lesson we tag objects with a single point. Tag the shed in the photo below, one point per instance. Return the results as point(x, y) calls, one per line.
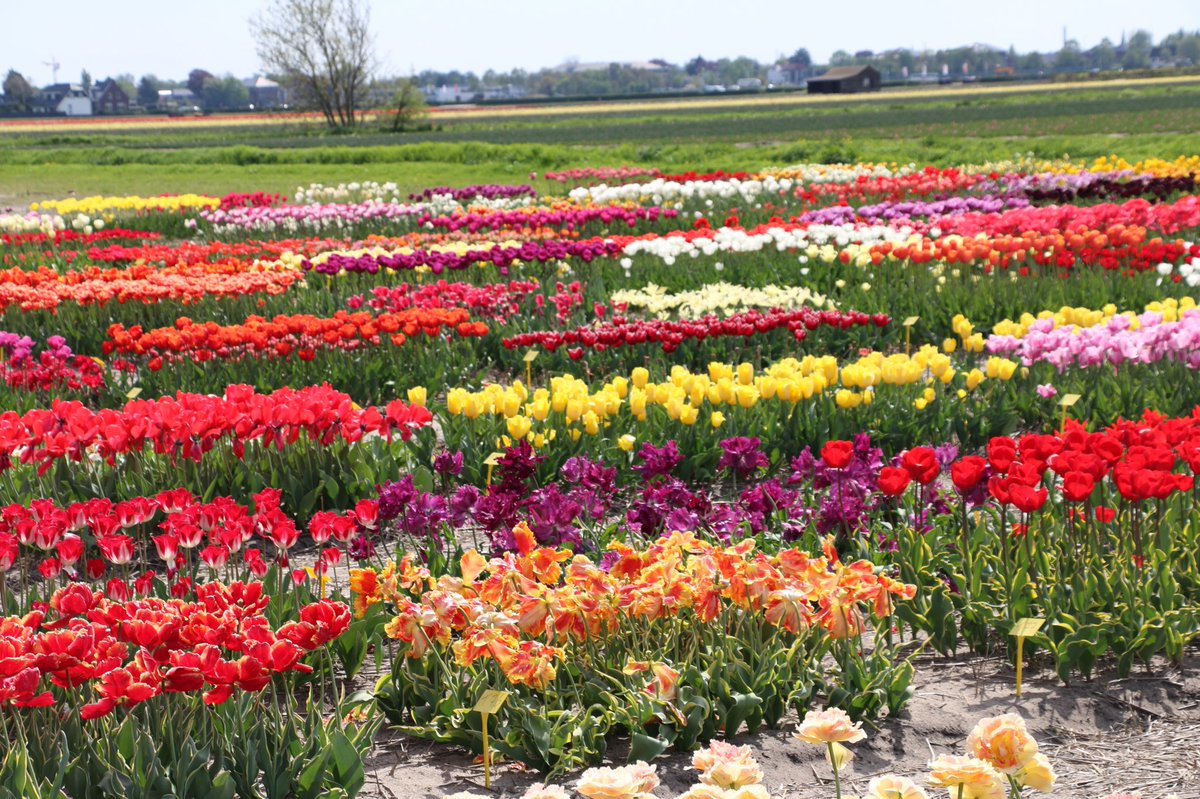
point(845, 80)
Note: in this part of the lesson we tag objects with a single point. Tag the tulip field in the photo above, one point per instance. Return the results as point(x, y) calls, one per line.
point(600, 482)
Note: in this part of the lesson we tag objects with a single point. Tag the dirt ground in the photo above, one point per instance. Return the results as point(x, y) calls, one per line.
point(1138, 735)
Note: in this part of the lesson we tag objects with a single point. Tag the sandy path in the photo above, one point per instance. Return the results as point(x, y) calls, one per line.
point(1136, 735)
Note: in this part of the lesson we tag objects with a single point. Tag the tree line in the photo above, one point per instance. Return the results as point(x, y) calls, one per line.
point(323, 53)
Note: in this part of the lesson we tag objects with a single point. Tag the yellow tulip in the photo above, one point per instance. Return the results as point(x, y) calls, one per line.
point(518, 427)
point(511, 404)
point(591, 423)
point(747, 396)
point(637, 402)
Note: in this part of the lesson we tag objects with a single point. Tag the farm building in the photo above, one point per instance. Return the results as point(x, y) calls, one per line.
point(845, 80)
point(68, 99)
point(109, 98)
point(264, 92)
point(176, 99)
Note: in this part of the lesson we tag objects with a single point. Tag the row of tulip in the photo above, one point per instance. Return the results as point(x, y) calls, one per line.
point(621, 645)
point(46, 289)
point(151, 697)
point(302, 441)
point(282, 335)
point(623, 332)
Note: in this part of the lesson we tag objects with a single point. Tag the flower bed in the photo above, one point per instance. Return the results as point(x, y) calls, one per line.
point(679, 457)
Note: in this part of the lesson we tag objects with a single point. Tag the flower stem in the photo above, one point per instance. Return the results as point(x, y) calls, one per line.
point(837, 778)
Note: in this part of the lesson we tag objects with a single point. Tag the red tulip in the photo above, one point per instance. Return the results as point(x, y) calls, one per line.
point(893, 481)
point(837, 454)
point(1077, 486)
point(922, 464)
point(1028, 499)
point(116, 549)
point(967, 472)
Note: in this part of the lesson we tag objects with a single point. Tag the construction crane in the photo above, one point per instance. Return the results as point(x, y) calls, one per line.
point(54, 65)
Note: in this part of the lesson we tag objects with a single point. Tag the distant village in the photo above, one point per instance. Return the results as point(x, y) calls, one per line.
point(846, 72)
point(112, 96)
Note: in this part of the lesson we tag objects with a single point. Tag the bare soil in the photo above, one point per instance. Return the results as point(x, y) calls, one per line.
point(1137, 735)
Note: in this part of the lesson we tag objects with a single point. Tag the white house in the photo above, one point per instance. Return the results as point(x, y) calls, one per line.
point(442, 95)
point(68, 99)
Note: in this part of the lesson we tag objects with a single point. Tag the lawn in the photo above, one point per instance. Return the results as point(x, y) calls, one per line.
point(939, 126)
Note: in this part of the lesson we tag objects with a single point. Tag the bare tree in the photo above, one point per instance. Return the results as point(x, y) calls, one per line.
point(323, 50)
point(409, 104)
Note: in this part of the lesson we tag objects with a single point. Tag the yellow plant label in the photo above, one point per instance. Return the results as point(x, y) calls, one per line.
point(1026, 627)
point(531, 356)
point(133, 392)
point(493, 459)
point(490, 701)
point(1022, 630)
point(1068, 400)
point(912, 320)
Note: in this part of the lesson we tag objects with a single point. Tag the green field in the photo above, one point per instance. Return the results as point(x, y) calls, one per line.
point(501, 146)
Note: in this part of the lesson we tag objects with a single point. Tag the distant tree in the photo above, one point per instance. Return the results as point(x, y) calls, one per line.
point(85, 80)
point(1181, 47)
point(1137, 51)
point(1189, 48)
point(731, 72)
point(225, 94)
point(196, 80)
point(840, 58)
point(409, 105)
point(18, 93)
point(695, 66)
point(127, 84)
point(323, 48)
point(147, 91)
point(1069, 57)
point(801, 57)
point(1031, 63)
point(1103, 55)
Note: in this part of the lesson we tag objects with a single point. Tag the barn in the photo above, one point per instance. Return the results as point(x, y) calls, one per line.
point(845, 80)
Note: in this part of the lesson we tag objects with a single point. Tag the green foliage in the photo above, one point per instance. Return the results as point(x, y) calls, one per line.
point(247, 748)
point(735, 674)
point(224, 94)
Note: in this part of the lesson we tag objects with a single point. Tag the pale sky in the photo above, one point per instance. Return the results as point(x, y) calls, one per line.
point(170, 38)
